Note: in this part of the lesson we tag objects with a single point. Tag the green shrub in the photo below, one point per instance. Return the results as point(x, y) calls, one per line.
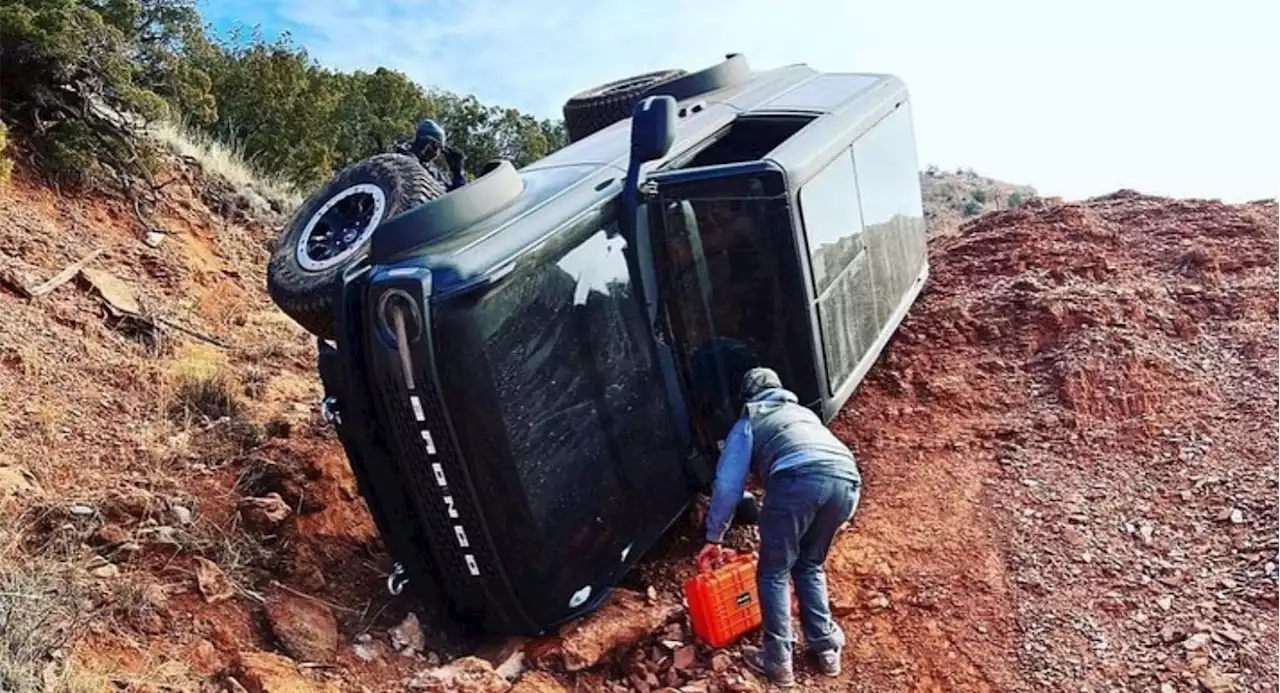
point(83, 78)
point(972, 208)
point(979, 196)
point(1014, 200)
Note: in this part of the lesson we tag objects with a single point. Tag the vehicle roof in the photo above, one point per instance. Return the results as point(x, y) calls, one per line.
point(586, 175)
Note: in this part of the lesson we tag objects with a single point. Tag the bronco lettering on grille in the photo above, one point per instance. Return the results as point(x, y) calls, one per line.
point(437, 469)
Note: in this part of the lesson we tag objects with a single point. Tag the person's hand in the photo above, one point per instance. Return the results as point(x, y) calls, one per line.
point(454, 158)
point(713, 555)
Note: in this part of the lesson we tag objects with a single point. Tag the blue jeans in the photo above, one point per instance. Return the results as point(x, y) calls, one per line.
point(801, 515)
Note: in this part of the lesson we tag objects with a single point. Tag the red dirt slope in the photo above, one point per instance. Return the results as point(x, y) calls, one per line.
point(1069, 452)
point(1054, 446)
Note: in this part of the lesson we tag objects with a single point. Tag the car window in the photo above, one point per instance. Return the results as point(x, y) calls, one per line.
point(832, 220)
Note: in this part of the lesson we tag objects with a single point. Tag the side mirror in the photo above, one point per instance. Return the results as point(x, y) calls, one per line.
point(653, 128)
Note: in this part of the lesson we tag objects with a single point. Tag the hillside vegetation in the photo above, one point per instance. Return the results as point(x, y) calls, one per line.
point(71, 67)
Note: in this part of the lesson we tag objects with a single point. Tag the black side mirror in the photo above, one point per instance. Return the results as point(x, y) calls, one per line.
point(653, 128)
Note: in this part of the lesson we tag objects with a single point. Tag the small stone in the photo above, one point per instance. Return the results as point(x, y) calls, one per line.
point(407, 637)
point(1165, 602)
point(80, 510)
point(368, 651)
point(720, 662)
point(1086, 557)
point(105, 572)
point(305, 628)
point(1170, 634)
point(212, 582)
point(265, 513)
point(1167, 687)
point(651, 594)
point(470, 674)
point(1230, 633)
point(181, 514)
point(164, 535)
point(1236, 516)
point(1215, 681)
point(153, 239)
point(1146, 532)
point(878, 601)
point(1199, 641)
point(684, 658)
point(1074, 537)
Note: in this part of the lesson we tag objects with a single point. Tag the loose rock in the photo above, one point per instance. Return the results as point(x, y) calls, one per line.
point(264, 672)
point(538, 682)
point(212, 582)
point(105, 572)
point(18, 481)
point(623, 620)
point(1199, 641)
point(305, 628)
point(407, 637)
point(1215, 681)
point(465, 675)
point(684, 658)
point(181, 514)
point(264, 514)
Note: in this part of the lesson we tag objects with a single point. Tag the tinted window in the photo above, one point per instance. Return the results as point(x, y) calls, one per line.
point(731, 288)
point(832, 220)
point(867, 287)
point(888, 182)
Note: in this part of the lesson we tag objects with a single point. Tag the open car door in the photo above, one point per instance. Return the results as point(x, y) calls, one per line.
point(730, 287)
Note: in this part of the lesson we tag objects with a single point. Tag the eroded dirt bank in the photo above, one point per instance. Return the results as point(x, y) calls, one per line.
point(1069, 450)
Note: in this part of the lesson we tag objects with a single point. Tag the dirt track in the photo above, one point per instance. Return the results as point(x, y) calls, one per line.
point(1053, 448)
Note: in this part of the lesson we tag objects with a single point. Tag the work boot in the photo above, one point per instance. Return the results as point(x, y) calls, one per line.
point(829, 662)
point(754, 658)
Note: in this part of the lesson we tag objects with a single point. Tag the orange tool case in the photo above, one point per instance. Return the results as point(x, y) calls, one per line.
point(723, 602)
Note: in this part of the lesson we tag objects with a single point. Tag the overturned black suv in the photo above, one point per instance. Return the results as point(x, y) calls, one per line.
point(532, 374)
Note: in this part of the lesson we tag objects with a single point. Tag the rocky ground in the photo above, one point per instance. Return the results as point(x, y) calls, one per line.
point(1069, 452)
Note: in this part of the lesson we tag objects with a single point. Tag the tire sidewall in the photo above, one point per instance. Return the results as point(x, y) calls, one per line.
point(297, 289)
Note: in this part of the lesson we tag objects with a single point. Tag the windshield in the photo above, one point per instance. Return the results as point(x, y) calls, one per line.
point(731, 288)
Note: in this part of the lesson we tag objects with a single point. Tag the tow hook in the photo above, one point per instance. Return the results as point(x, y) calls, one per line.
point(329, 410)
point(396, 580)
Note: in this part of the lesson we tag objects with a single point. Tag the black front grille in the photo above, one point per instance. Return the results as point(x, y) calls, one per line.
point(416, 425)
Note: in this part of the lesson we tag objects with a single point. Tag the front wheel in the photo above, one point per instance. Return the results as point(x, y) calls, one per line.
point(332, 229)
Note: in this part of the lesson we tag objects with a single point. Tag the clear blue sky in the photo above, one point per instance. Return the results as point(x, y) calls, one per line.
point(1076, 98)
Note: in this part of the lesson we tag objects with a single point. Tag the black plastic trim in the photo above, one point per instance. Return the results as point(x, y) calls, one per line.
point(452, 213)
point(730, 72)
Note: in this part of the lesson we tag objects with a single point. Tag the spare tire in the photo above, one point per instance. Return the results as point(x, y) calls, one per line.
point(332, 229)
point(599, 107)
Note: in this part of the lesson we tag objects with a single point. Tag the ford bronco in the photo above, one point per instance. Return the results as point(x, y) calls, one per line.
point(531, 375)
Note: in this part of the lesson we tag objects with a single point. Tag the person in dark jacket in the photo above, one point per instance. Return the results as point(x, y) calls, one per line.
point(812, 486)
point(428, 143)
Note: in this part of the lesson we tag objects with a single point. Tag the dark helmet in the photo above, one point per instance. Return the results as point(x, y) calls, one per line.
point(429, 131)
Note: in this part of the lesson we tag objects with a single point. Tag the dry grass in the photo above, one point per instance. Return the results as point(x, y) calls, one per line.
point(227, 162)
point(39, 615)
point(200, 384)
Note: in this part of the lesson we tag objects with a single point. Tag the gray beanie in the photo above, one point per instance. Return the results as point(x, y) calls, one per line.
point(758, 380)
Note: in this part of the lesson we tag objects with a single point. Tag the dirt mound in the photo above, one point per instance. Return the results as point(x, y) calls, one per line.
point(1054, 444)
point(1068, 452)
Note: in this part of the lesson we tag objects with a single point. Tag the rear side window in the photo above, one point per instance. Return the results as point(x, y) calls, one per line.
point(865, 228)
point(832, 220)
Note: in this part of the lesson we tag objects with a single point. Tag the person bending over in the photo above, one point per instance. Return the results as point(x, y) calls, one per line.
point(812, 487)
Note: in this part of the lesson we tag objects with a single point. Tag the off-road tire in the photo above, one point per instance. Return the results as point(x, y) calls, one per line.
point(307, 295)
point(601, 106)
